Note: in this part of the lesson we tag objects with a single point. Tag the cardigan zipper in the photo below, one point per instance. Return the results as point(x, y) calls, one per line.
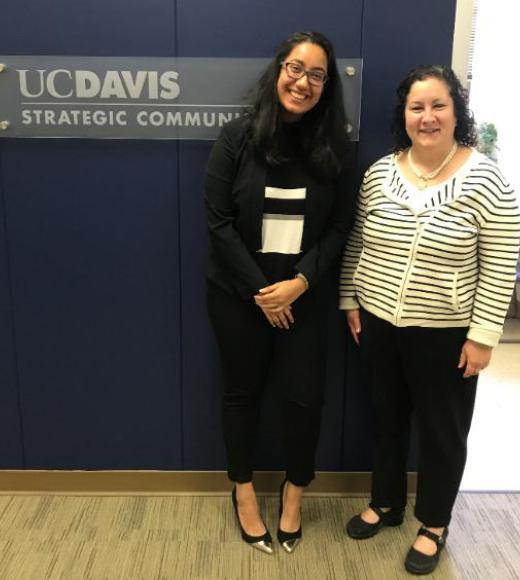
point(408, 271)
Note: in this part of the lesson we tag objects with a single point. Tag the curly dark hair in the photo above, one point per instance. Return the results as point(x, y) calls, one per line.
point(465, 131)
point(323, 128)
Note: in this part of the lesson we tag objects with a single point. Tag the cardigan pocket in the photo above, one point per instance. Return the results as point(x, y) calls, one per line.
point(436, 289)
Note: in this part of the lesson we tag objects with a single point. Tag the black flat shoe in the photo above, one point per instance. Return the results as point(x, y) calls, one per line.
point(358, 529)
point(288, 540)
point(418, 563)
point(263, 543)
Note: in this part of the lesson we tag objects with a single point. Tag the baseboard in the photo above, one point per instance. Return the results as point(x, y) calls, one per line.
point(36, 482)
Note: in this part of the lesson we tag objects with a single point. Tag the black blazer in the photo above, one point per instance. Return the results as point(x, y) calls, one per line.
point(235, 190)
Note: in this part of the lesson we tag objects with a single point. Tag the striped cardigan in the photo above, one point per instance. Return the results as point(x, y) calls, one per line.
point(452, 263)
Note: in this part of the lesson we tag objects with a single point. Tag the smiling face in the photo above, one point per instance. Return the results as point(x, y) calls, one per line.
point(429, 114)
point(298, 96)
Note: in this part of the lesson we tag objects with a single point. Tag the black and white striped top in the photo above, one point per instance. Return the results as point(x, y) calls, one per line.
point(283, 220)
point(448, 261)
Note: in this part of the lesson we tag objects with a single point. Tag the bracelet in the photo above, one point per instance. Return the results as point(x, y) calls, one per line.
point(302, 277)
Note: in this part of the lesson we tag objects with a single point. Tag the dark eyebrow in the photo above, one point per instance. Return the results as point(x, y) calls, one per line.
point(302, 63)
point(435, 101)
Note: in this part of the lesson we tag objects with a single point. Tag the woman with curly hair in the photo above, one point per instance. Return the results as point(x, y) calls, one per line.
point(279, 204)
point(426, 281)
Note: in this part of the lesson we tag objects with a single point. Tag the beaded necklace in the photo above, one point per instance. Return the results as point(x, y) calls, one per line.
point(425, 178)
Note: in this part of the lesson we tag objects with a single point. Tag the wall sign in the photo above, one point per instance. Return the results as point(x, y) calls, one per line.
point(136, 98)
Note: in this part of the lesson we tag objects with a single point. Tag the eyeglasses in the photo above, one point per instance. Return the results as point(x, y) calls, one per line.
point(295, 70)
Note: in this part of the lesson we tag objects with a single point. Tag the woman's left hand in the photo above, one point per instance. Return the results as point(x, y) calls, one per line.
point(283, 319)
point(279, 296)
point(475, 357)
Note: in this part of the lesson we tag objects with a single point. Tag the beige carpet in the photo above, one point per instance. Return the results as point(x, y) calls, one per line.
point(188, 538)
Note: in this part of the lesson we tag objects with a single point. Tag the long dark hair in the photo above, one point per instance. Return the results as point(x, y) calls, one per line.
point(322, 133)
point(465, 132)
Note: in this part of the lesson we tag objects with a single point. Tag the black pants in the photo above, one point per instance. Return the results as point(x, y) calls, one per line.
point(253, 352)
point(409, 370)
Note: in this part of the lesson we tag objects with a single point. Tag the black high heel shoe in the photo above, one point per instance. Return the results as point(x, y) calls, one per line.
point(262, 543)
point(288, 540)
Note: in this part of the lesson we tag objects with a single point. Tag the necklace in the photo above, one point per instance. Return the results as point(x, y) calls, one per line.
point(424, 178)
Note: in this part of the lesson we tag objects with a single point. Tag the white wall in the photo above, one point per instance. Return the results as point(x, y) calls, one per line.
point(495, 85)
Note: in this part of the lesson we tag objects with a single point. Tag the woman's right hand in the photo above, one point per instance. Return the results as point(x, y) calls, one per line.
point(354, 324)
point(279, 319)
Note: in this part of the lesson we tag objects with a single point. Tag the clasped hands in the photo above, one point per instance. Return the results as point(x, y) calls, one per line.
point(474, 356)
point(275, 301)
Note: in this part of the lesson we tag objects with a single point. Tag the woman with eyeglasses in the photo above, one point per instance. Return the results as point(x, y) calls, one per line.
point(426, 281)
point(279, 205)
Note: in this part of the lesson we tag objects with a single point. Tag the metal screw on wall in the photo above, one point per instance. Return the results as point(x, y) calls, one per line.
point(4, 125)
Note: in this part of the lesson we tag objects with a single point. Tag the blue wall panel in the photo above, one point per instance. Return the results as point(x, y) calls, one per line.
point(203, 447)
point(397, 36)
point(230, 29)
point(90, 27)
point(233, 28)
point(93, 234)
point(92, 231)
point(11, 449)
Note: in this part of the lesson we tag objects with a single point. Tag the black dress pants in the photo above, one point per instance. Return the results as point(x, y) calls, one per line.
point(252, 353)
point(414, 370)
